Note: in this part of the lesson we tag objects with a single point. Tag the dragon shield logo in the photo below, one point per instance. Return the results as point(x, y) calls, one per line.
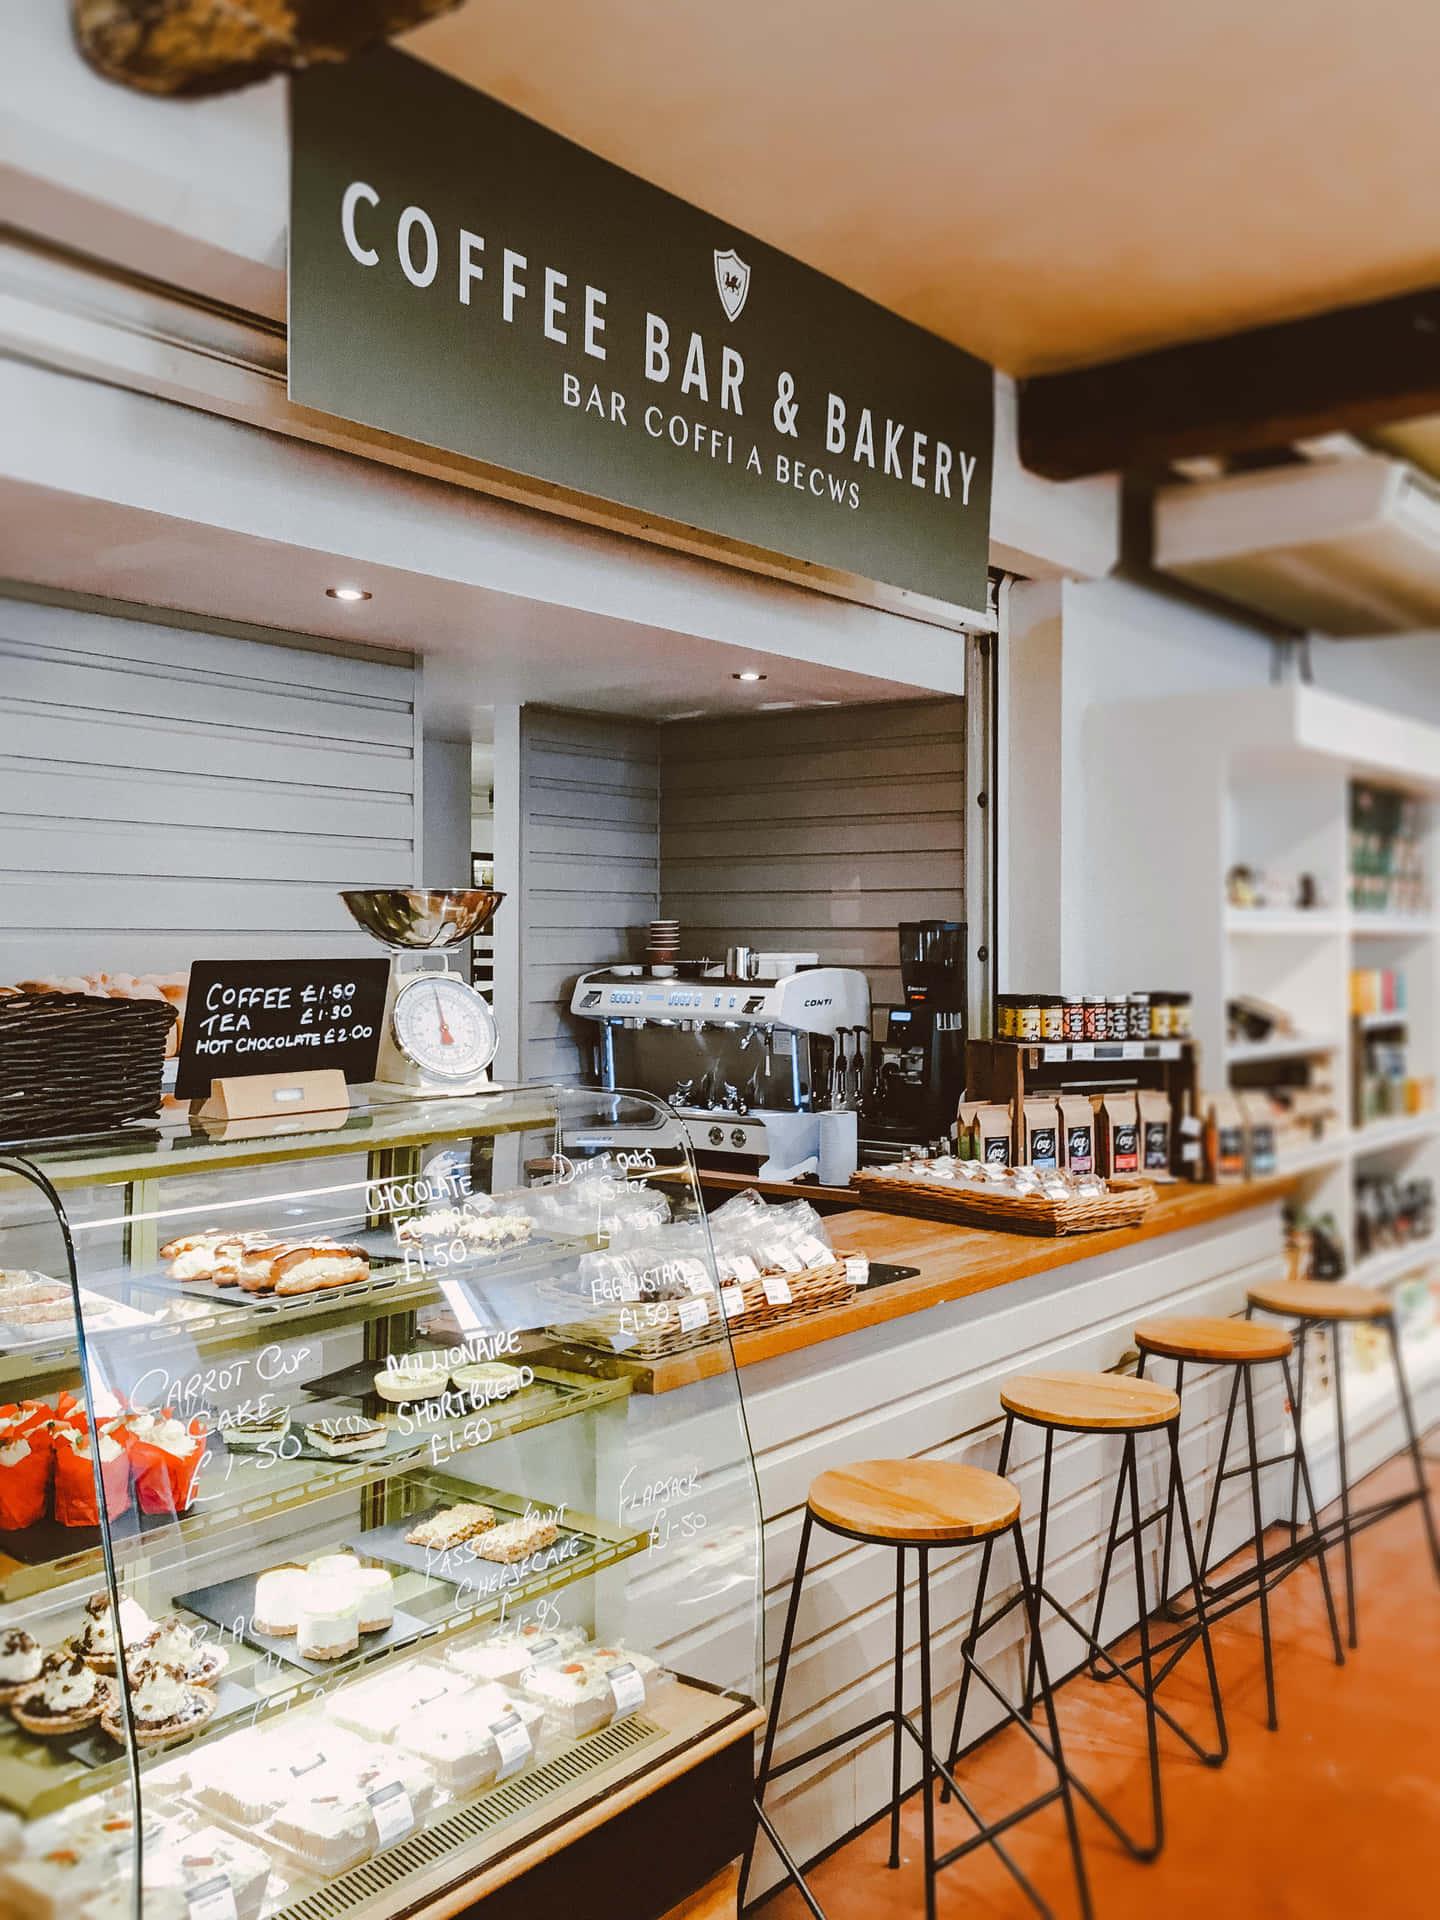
point(732, 281)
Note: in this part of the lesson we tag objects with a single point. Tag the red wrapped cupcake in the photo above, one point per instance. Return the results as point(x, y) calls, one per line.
point(167, 1457)
point(26, 1458)
point(75, 1476)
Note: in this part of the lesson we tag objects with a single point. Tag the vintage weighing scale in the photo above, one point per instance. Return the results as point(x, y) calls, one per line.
point(439, 1035)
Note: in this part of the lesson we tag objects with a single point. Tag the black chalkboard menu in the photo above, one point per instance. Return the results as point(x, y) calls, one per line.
point(280, 1016)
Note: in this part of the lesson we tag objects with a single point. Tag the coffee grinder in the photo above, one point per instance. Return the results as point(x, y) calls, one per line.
point(919, 1071)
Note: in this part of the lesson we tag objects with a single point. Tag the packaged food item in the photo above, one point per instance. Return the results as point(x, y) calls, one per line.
point(1225, 1137)
point(1052, 1017)
point(75, 1476)
point(166, 1456)
point(1139, 1016)
point(1155, 1123)
point(1073, 1017)
point(1041, 1124)
point(1182, 1015)
point(965, 1141)
point(1077, 1132)
point(330, 1831)
point(577, 1697)
point(1097, 1017)
point(377, 1708)
point(1117, 1016)
point(1027, 1017)
point(27, 1459)
point(200, 1860)
point(1117, 1133)
point(1260, 1134)
point(1162, 1016)
point(993, 1135)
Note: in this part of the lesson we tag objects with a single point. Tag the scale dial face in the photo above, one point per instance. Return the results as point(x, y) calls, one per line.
point(443, 1027)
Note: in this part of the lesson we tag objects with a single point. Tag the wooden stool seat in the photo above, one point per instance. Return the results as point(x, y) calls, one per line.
point(1089, 1402)
point(917, 1502)
point(1181, 1336)
point(1320, 1300)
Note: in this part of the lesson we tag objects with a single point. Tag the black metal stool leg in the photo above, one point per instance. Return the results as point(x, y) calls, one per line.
point(1412, 1440)
point(927, 1735)
point(899, 1705)
point(1202, 1618)
point(977, 1615)
point(1258, 1521)
point(1152, 1730)
point(1028, 1708)
point(1097, 1638)
point(1347, 1538)
point(1302, 1477)
point(1222, 1463)
point(1298, 1402)
point(1032, 1613)
point(1162, 1599)
point(767, 1753)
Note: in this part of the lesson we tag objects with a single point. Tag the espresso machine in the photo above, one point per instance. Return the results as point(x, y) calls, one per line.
point(919, 1069)
point(748, 1062)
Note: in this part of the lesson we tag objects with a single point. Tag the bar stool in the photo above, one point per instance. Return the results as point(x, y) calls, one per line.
point(1078, 1403)
point(1241, 1345)
point(1328, 1303)
point(919, 1505)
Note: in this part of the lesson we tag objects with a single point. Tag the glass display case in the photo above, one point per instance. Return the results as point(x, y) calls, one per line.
point(337, 1567)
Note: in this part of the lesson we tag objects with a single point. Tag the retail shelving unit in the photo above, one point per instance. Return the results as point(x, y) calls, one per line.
point(1180, 790)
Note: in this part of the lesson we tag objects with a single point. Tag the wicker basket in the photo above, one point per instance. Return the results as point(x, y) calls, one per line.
point(810, 1292)
point(974, 1205)
point(71, 1064)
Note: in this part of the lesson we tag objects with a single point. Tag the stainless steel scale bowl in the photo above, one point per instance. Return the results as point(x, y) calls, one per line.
point(440, 1034)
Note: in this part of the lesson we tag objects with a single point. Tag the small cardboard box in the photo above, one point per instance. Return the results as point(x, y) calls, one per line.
point(1040, 1123)
point(1077, 1132)
point(965, 1117)
point(1156, 1144)
point(1259, 1134)
point(1117, 1126)
point(1225, 1138)
point(992, 1135)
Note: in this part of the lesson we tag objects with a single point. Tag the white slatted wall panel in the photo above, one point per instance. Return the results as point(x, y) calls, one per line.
point(167, 795)
point(818, 830)
point(590, 864)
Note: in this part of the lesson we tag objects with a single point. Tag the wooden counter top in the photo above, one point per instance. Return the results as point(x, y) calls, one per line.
point(953, 1262)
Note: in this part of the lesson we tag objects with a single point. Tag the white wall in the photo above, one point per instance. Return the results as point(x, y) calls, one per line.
point(1069, 647)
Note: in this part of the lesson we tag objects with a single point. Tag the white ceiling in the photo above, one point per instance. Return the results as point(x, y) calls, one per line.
point(483, 648)
point(1045, 183)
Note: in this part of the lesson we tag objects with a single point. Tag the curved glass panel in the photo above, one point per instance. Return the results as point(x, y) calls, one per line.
point(432, 1518)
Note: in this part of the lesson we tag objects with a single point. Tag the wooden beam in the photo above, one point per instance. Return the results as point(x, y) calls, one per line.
point(1343, 371)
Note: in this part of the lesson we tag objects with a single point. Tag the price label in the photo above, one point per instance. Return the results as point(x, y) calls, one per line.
point(512, 1739)
point(857, 1269)
point(309, 1766)
point(777, 1290)
point(1169, 1049)
point(1055, 1053)
point(1190, 1150)
point(628, 1687)
point(693, 1273)
point(1083, 1050)
point(694, 1314)
point(814, 1252)
point(544, 1650)
point(732, 1301)
point(392, 1813)
point(744, 1268)
point(211, 1900)
point(1133, 1050)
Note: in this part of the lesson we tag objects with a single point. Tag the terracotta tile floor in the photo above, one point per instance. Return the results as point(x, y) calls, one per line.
point(1336, 1814)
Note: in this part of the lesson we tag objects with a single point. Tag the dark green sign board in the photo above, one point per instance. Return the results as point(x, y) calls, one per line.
point(462, 277)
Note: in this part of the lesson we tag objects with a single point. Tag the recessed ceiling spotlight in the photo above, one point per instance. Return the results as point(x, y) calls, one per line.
point(347, 593)
point(750, 675)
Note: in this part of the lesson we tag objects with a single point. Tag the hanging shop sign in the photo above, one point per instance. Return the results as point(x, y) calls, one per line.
point(462, 277)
